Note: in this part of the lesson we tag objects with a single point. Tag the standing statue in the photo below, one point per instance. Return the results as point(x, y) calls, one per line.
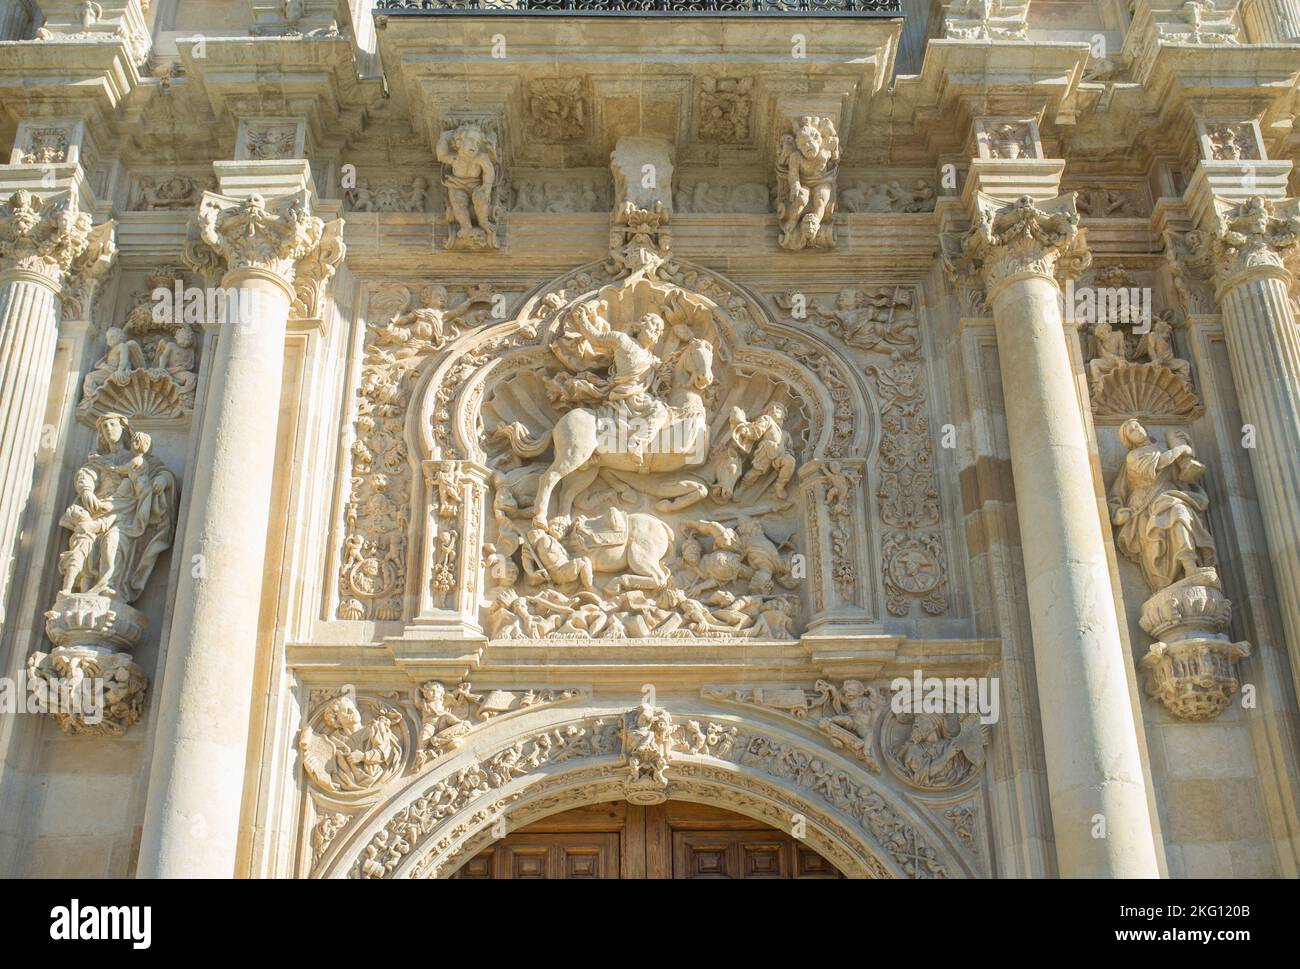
point(123, 517)
point(469, 174)
point(1160, 507)
point(807, 164)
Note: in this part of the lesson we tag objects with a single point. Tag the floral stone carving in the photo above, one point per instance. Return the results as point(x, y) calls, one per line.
point(1161, 510)
point(122, 520)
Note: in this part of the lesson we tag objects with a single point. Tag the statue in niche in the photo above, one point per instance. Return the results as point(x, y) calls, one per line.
point(469, 174)
point(808, 159)
point(122, 519)
point(1161, 509)
point(1157, 345)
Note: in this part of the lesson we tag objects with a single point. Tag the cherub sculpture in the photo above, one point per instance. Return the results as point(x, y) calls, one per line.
point(469, 174)
point(808, 161)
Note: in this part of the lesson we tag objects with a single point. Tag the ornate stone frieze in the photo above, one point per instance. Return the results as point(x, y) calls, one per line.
point(558, 109)
point(726, 109)
point(122, 520)
point(892, 196)
point(716, 194)
point(389, 195)
point(559, 193)
point(472, 176)
point(1018, 238)
point(649, 751)
point(1160, 510)
point(807, 164)
point(985, 19)
point(847, 714)
point(1111, 202)
point(45, 146)
point(1007, 138)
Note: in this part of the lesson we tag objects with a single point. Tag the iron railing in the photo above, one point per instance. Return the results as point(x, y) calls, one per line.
point(675, 8)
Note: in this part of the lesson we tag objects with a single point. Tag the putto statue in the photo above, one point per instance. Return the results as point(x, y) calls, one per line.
point(807, 164)
point(470, 170)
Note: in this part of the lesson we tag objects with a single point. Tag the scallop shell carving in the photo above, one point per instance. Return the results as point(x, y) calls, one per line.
point(1145, 391)
point(146, 397)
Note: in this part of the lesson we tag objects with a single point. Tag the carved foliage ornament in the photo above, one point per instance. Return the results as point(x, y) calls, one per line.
point(1018, 238)
point(53, 239)
point(254, 233)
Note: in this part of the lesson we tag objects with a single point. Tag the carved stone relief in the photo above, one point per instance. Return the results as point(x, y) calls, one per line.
point(169, 192)
point(372, 573)
point(148, 371)
point(698, 195)
point(726, 108)
point(1132, 374)
point(1160, 510)
point(934, 751)
point(353, 745)
point(558, 109)
point(891, 196)
point(559, 193)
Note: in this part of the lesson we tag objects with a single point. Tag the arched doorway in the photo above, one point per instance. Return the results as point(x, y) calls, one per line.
point(676, 839)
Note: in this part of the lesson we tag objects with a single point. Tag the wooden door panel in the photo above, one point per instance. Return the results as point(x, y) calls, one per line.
point(672, 840)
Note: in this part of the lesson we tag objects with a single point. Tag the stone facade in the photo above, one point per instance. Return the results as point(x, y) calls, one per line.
point(418, 423)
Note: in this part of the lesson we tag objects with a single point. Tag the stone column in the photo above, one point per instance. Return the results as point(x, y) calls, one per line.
point(1273, 21)
point(196, 785)
point(1094, 768)
point(42, 245)
point(1246, 253)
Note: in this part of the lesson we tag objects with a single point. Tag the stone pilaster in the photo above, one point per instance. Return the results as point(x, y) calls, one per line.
point(1272, 21)
point(1094, 768)
point(43, 244)
point(192, 814)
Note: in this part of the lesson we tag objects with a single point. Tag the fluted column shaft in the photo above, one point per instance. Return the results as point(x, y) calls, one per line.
point(1273, 21)
point(191, 826)
point(1264, 353)
point(29, 329)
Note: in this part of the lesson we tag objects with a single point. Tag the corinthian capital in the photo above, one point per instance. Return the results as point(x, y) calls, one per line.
point(51, 239)
point(1255, 235)
point(1015, 239)
point(250, 233)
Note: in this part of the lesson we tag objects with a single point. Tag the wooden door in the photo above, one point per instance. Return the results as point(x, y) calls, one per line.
point(673, 840)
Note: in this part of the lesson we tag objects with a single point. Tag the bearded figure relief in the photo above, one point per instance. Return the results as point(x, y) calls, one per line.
point(632, 494)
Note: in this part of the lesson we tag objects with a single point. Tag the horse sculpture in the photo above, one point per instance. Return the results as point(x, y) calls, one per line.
point(589, 439)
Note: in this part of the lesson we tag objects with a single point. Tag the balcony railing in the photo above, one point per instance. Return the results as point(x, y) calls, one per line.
point(629, 8)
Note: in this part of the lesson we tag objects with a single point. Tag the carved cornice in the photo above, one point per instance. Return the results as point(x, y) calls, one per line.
point(1010, 241)
point(253, 234)
point(53, 240)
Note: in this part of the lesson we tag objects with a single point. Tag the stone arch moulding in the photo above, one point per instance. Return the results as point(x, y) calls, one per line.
point(515, 380)
point(429, 824)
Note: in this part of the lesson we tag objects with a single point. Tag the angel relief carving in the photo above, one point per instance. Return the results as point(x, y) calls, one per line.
point(640, 483)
